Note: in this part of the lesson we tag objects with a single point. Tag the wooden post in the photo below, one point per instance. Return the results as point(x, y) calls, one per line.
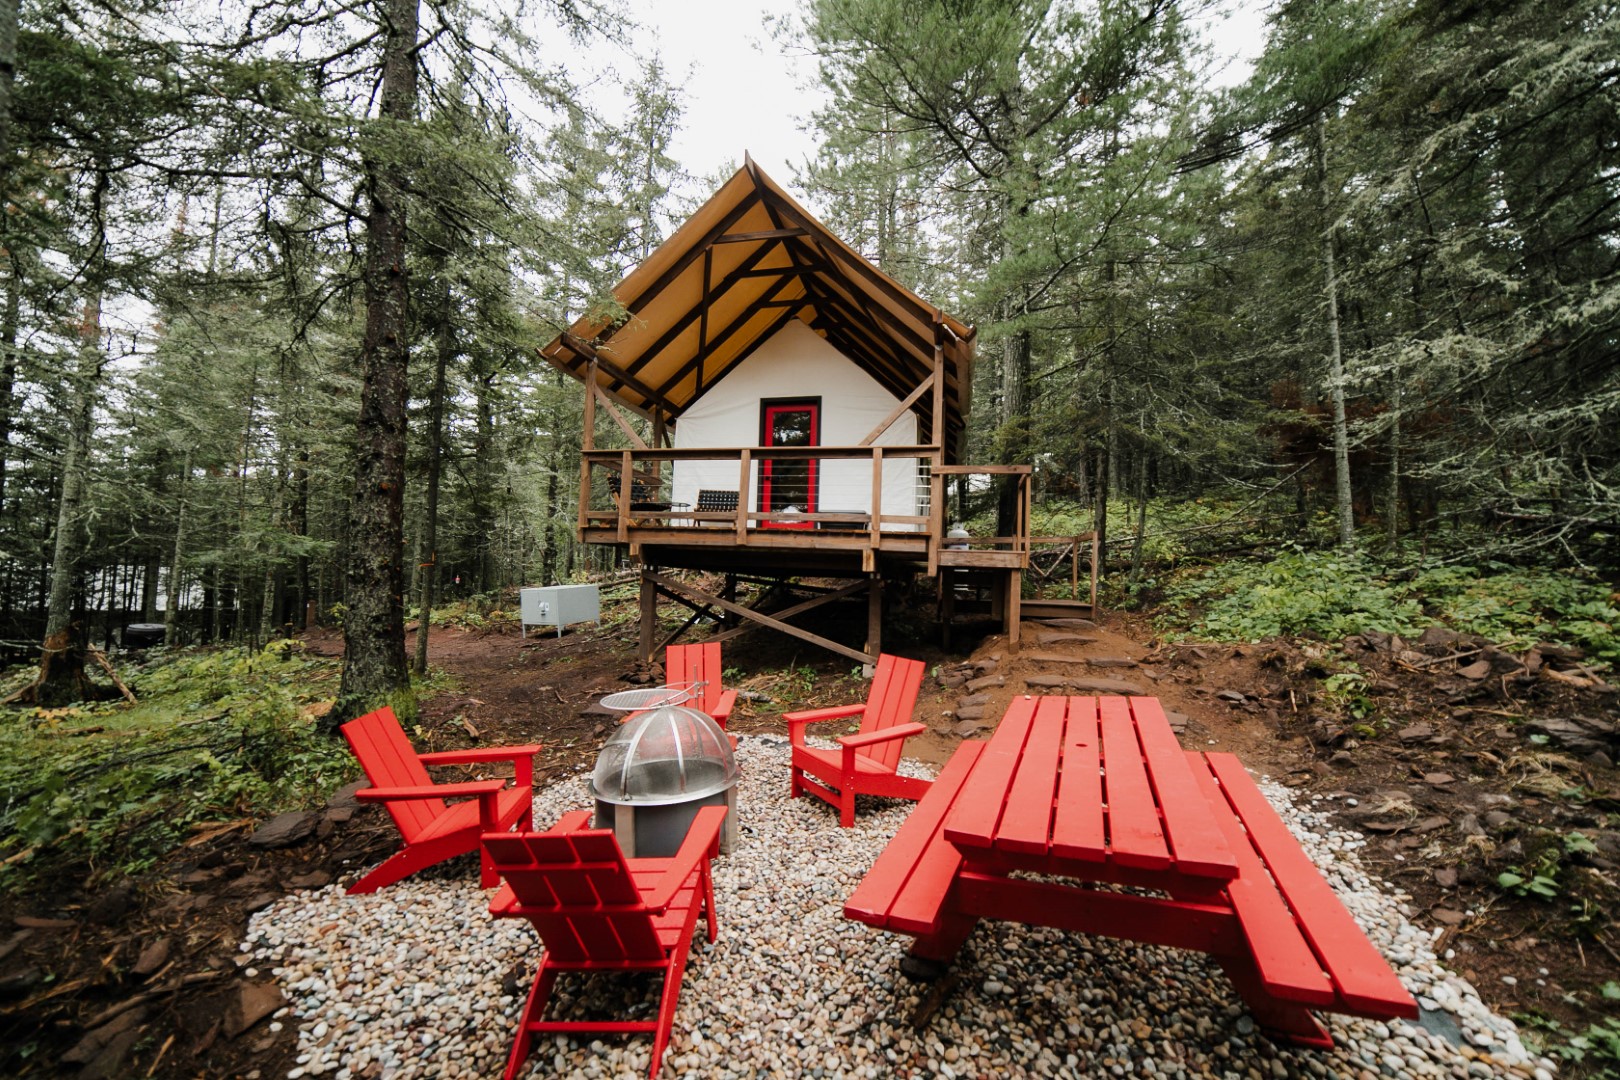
point(742, 497)
point(625, 480)
point(587, 442)
point(728, 592)
point(876, 539)
point(874, 620)
point(936, 483)
point(1096, 552)
point(649, 613)
point(1015, 598)
point(947, 602)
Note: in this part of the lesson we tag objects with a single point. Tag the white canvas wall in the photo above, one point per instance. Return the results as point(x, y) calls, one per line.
point(796, 363)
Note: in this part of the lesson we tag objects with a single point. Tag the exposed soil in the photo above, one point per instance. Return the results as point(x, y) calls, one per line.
point(143, 979)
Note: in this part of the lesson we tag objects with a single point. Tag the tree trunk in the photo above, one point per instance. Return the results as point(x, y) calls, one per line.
point(1341, 427)
point(1141, 517)
point(8, 72)
point(1099, 506)
point(428, 564)
point(8, 343)
point(300, 528)
point(483, 496)
point(374, 670)
point(61, 667)
point(171, 606)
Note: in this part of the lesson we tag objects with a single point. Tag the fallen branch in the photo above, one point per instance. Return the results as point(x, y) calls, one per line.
point(106, 665)
point(148, 995)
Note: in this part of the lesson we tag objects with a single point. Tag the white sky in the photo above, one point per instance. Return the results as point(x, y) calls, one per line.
point(746, 92)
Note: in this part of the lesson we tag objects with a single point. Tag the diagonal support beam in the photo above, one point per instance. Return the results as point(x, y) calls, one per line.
point(800, 608)
point(624, 425)
point(899, 410)
point(675, 589)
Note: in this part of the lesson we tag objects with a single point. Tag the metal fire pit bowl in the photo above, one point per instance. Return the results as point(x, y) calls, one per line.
point(656, 772)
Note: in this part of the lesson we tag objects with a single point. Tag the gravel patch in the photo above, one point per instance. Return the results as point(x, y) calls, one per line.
point(418, 980)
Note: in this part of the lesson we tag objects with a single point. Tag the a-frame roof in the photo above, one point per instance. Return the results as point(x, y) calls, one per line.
point(749, 260)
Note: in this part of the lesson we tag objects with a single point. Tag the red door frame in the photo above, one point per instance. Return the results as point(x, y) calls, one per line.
point(769, 410)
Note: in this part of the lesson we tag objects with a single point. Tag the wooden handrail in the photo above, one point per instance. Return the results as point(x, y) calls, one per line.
point(720, 453)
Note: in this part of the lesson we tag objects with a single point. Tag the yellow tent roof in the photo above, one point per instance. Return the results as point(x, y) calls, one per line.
point(746, 262)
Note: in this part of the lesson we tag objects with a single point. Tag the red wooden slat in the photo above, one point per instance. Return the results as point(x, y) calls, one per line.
point(973, 820)
point(1196, 841)
point(1364, 979)
point(557, 934)
point(1077, 826)
point(1026, 822)
point(595, 929)
point(1134, 835)
point(881, 888)
point(389, 760)
point(708, 673)
point(608, 871)
point(695, 663)
point(1288, 969)
point(892, 700)
point(882, 676)
point(638, 936)
point(596, 934)
point(514, 861)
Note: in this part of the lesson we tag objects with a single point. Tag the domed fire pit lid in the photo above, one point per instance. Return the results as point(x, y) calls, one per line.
point(669, 754)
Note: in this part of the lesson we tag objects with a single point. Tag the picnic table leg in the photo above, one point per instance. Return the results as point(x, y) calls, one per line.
point(943, 944)
point(1284, 1020)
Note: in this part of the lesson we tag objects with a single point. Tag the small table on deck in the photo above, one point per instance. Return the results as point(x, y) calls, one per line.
point(1097, 791)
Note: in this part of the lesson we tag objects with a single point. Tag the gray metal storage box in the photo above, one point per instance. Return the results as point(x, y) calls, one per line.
point(559, 606)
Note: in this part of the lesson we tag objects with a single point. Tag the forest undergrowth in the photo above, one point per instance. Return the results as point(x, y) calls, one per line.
point(108, 788)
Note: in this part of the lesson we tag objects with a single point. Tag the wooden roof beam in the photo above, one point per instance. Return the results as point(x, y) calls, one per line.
point(691, 254)
point(681, 325)
point(775, 324)
point(725, 335)
point(799, 269)
point(833, 304)
point(618, 374)
point(762, 234)
point(855, 262)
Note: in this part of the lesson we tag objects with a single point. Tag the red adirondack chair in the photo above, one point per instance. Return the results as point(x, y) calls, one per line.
point(696, 664)
point(431, 829)
point(865, 763)
point(594, 911)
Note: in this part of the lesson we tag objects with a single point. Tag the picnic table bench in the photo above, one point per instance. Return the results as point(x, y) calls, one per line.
point(1096, 791)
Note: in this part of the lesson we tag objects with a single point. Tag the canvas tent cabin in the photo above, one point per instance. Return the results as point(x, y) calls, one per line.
point(783, 408)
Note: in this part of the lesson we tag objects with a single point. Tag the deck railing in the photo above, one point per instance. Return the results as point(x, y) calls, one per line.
point(844, 489)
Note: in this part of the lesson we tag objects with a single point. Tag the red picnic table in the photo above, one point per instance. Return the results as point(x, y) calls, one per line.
point(1096, 791)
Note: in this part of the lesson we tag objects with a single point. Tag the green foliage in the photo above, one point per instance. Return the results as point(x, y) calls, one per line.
point(1596, 1049)
point(1527, 883)
point(1347, 690)
point(1544, 878)
point(1334, 594)
point(1329, 594)
point(217, 736)
point(1519, 607)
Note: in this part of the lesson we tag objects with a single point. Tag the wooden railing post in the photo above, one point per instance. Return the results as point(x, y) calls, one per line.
point(877, 498)
point(625, 480)
point(587, 443)
point(742, 496)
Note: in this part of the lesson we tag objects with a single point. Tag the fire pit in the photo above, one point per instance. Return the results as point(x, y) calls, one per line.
point(656, 772)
